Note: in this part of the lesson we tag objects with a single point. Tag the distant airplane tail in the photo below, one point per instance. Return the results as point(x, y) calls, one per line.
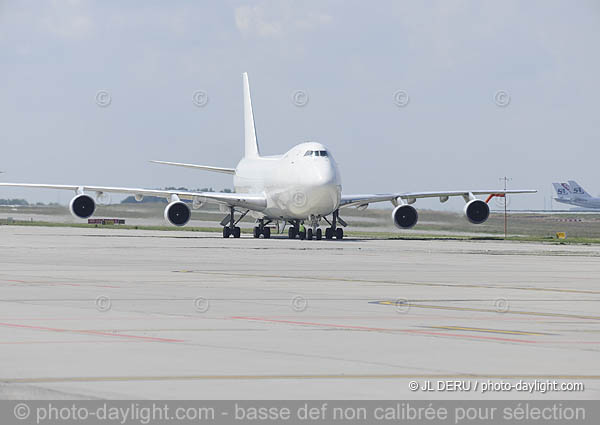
point(250, 142)
point(578, 190)
point(562, 190)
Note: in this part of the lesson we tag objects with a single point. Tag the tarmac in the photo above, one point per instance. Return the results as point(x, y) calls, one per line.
point(131, 314)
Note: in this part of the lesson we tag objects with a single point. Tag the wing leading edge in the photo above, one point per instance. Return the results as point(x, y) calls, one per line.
point(411, 197)
point(256, 202)
point(198, 167)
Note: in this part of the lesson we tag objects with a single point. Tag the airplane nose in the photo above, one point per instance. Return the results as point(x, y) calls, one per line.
point(324, 174)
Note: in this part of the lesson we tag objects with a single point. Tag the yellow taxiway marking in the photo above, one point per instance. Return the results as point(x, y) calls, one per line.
point(291, 377)
point(495, 331)
point(489, 310)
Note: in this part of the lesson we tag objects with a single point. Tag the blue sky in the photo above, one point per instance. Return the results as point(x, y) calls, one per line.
point(449, 57)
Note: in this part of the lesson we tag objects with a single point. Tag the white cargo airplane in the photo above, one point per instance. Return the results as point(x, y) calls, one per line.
point(573, 194)
point(301, 186)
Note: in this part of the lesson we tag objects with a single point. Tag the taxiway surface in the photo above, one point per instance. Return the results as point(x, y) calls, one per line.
point(137, 314)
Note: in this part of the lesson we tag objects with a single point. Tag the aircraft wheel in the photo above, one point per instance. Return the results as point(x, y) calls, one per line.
point(339, 233)
point(226, 232)
point(328, 233)
point(309, 234)
point(267, 232)
point(237, 232)
point(256, 232)
point(319, 235)
point(292, 233)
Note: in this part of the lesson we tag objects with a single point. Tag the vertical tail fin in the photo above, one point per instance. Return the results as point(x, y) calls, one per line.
point(578, 190)
point(562, 190)
point(251, 144)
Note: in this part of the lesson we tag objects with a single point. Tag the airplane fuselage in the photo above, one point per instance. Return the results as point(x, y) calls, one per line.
point(296, 185)
point(593, 203)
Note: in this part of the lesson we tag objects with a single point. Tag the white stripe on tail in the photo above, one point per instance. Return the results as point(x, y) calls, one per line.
point(250, 142)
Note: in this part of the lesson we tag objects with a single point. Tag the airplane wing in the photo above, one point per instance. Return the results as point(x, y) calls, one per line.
point(198, 167)
point(256, 202)
point(411, 197)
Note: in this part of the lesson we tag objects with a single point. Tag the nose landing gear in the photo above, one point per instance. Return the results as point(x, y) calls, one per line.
point(314, 232)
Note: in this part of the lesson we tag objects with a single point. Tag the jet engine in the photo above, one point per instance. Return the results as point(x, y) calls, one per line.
point(477, 211)
point(82, 206)
point(405, 216)
point(178, 213)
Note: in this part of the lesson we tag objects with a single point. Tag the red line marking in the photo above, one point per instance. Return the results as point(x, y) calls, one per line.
point(91, 332)
point(365, 328)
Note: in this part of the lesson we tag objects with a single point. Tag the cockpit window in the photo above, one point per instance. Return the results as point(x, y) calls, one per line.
point(316, 153)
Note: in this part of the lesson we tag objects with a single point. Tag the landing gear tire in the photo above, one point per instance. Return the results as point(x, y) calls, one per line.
point(292, 233)
point(329, 233)
point(256, 232)
point(267, 232)
point(226, 232)
point(309, 234)
point(319, 235)
point(237, 232)
point(339, 233)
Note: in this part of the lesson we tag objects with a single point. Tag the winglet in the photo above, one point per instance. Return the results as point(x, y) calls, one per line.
point(250, 142)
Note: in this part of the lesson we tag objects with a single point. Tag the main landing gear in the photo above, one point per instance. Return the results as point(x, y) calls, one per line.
point(314, 232)
point(337, 233)
point(294, 231)
point(334, 231)
point(262, 229)
point(229, 224)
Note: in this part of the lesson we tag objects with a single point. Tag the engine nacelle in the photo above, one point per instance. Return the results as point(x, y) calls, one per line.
point(178, 213)
point(477, 211)
point(82, 206)
point(405, 216)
